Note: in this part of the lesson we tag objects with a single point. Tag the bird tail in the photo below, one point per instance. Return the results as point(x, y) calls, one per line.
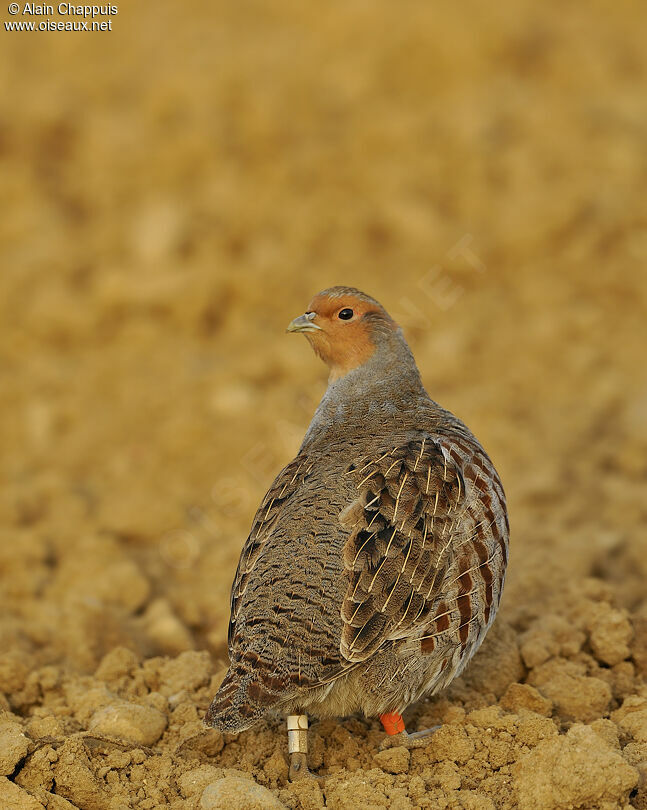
point(242, 700)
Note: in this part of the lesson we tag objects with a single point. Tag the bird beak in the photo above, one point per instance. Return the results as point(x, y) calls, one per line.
point(304, 323)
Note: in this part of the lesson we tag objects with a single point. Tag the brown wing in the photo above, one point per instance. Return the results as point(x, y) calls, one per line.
point(285, 485)
point(402, 524)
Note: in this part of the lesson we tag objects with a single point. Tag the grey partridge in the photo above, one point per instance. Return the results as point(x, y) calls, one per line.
point(376, 561)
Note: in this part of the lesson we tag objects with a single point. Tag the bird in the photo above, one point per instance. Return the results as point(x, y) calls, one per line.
point(376, 561)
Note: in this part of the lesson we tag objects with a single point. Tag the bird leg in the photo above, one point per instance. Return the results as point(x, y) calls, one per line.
point(298, 746)
point(397, 734)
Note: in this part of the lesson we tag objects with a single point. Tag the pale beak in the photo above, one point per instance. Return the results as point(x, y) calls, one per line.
point(304, 323)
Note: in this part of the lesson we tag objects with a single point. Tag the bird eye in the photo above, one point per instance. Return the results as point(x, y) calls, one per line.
point(346, 314)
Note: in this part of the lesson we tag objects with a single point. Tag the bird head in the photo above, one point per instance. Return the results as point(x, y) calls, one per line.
point(345, 327)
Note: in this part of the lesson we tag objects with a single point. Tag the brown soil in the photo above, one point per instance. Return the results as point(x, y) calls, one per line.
point(173, 193)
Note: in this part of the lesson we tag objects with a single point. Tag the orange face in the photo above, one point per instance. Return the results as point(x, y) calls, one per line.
point(337, 330)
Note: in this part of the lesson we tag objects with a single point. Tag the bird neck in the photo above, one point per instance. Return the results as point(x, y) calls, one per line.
point(373, 396)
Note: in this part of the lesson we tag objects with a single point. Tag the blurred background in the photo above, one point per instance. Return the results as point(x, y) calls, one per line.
point(174, 192)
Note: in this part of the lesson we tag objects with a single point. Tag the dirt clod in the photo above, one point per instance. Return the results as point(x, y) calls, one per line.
point(611, 635)
point(573, 771)
point(233, 793)
point(393, 760)
point(142, 725)
point(520, 696)
point(13, 747)
point(14, 798)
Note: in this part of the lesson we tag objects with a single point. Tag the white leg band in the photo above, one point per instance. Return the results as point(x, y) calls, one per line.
point(297, 733)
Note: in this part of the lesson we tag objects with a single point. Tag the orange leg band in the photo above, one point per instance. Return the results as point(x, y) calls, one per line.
point(392, 722)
